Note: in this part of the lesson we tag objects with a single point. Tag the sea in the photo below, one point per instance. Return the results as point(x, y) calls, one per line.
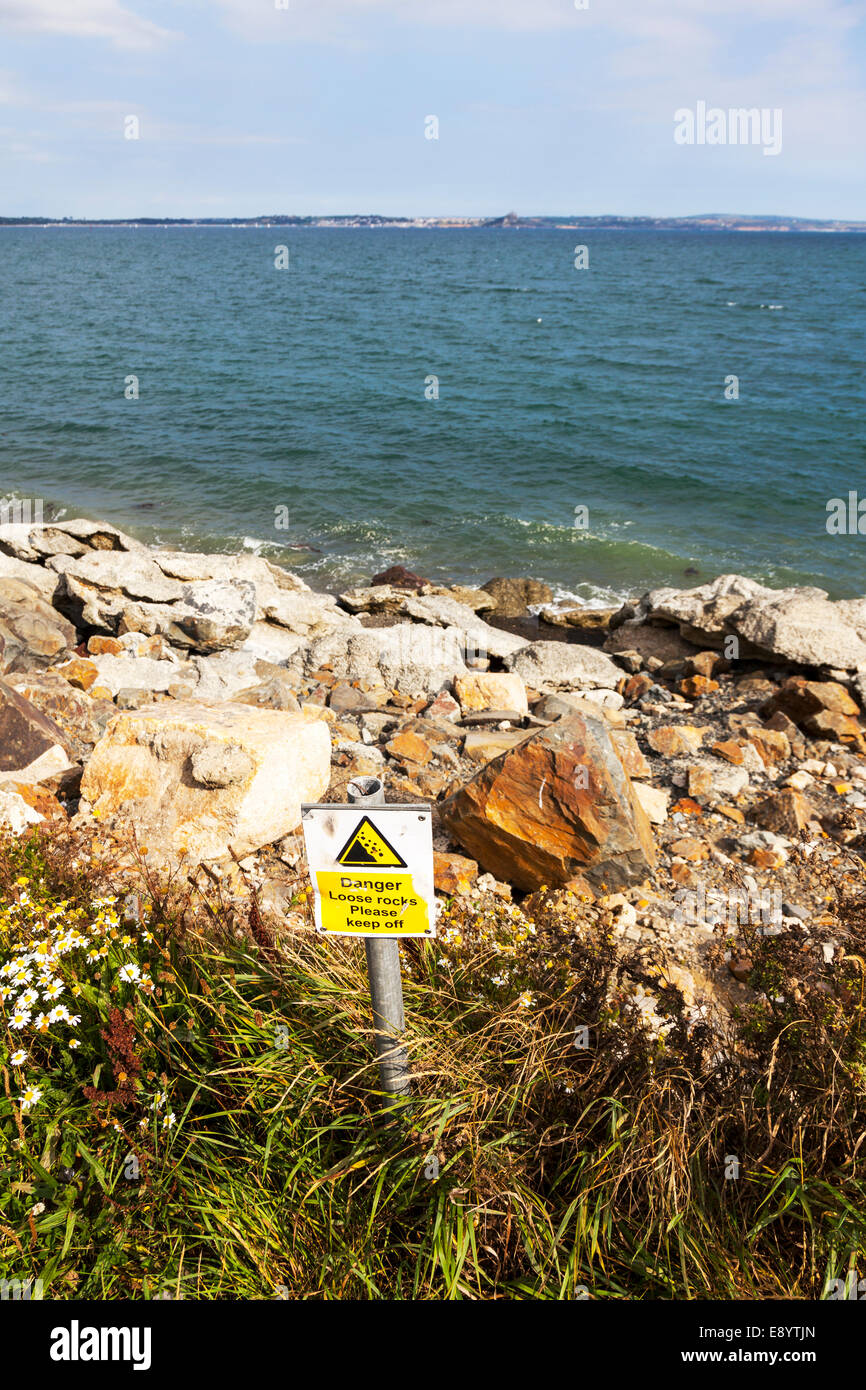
point(604, 410)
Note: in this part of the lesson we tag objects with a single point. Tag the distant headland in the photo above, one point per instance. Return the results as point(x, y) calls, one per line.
point(708, 222)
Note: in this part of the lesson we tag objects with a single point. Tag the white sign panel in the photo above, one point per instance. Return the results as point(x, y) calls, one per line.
point(371, 868)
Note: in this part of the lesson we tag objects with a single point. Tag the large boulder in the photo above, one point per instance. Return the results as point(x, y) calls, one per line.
point(46, 582)
point(477, 637)
point(514, 596)
point(281, 597)
point(198, 781)
point(32, 633)
point(410, 657)
point(549, 666)
point(560, 805)
point(80, 720)
point(211, 616)
point(797, 624)
point(28, 737)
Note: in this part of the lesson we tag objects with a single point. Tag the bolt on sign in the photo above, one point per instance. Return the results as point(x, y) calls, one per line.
point(371, 869)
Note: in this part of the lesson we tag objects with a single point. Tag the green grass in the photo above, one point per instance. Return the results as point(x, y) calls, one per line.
point(562, 1172)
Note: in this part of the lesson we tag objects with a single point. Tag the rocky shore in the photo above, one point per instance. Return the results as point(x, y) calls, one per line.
point(678, 773)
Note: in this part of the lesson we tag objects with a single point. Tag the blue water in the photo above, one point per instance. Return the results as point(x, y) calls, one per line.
point(304, 389)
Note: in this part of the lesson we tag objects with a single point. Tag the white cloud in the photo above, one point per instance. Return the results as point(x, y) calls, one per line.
point(92, 19)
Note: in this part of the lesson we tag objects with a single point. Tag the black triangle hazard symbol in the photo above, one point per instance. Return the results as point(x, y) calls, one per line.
point(367, 848)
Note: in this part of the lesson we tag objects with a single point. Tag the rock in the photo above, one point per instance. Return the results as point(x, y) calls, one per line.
point(491, 690)
point(476, 599)
point(269, 642)
point(799, 625)
point(221, 676)
point(799, 698)
point(26, 734)
point(32, 633)
point(528, 817)
point(695, 687)
point(98, 535)
point(377, 598)
point(700, 781)
point(805, 629)
point(45, 582)
point(629, 753)
point(105, 646)
point(695, 851)
point(835, 728)
point(79, 672)
point(346, 699)
point(477, 638)
point(773, 745)
point(443, 707)
point(200, 781)
point(103, 573)
point(730, 751)
point(705, 663)
point(513, 597)
point(409, 747)
point(800, 780)
point(724, 779)
point(68, 709)
point(129, 672)
point(209, 617)
point(786, 813)
point(593, 702)
point(275, 693)
point(453, 873)
point(674, 740)
point(649, 642)
point(481, 746)
point(15, 814)
point(583, 618)
point(639, 686)
point(15, 541)
point(411, 657)
point(741, 967)
point(400, 578)
point(653, 801)
point(549, 666)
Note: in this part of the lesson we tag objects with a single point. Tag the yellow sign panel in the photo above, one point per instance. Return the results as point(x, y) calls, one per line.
point(367, 847)
point(371, 904)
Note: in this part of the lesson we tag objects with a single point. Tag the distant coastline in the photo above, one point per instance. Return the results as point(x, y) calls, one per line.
point(714, 222)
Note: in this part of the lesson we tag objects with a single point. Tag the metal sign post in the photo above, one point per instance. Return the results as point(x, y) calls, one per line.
point(383, 972)
point(372, 876)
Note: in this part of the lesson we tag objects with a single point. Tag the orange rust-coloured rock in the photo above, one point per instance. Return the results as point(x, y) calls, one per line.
point(409, 747)
point(453, 873)
point(558, 806)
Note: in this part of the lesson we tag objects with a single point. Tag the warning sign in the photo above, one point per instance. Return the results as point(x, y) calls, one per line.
point(371, 870)
point(367, 846)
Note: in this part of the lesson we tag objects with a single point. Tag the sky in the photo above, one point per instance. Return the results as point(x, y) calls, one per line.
point(249, 107)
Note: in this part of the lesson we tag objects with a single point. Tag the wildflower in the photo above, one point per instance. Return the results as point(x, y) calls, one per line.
point(30, 1097)
point(38, 1209)
point(168, 1120)
point(42, 1023)
point(74, 1042)
point(142, 1124)
point(525, 999)
point(54, 990)
point(18, 1058)
point(146, 983)
point(28, 999)
point(20, 1018)
point(159, 1101)
point(129, 972)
